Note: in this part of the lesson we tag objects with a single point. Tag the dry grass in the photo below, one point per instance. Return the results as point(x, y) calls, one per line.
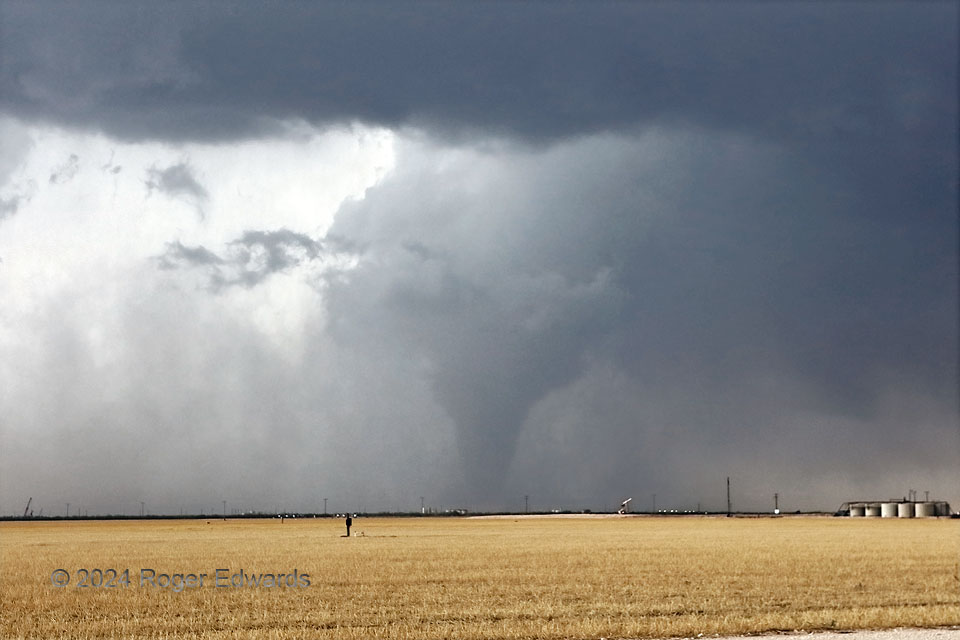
point(464, 578)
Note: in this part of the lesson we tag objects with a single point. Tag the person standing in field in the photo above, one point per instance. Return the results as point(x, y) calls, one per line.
point(349, 522)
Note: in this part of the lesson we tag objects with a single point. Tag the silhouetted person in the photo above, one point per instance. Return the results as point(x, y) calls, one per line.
point(349, 522)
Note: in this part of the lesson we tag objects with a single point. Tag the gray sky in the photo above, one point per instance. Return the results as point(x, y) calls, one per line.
point(579, 251)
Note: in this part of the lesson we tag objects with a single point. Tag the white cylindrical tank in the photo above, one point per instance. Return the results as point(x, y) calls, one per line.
point(905, 510)
point(888, 510)
point(926, 509)
point(872, 510)
point(858, 510)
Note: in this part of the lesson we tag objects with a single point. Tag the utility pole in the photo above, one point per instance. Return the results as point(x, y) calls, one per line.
point(324, 506)
point(729, 509)
point(68, 509)
point(926, 496)
point(141, 508)
point(224, 509)
point(526, 504)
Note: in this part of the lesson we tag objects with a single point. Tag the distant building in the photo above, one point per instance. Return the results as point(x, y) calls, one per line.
point(895, 509)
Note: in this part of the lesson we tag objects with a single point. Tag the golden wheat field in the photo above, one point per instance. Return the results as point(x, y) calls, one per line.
point(506, 578)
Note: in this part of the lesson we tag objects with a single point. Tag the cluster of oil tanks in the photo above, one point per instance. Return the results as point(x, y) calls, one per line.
point(902, 509)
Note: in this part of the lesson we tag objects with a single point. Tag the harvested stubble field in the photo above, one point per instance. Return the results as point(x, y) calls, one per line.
point(485, 578)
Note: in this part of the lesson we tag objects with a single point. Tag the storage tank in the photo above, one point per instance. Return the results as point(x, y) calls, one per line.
point(943, 508)
point(858, 510)
point(872, 510)
point(926, 509)
point(888, 510)
point(905, 510)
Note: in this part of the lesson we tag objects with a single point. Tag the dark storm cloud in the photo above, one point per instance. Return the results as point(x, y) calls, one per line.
point(726, 240)
point(736, 302)
point(865, 91)
point(534, 70)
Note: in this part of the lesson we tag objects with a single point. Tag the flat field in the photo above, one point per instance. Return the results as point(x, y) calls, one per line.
point(479, 578)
